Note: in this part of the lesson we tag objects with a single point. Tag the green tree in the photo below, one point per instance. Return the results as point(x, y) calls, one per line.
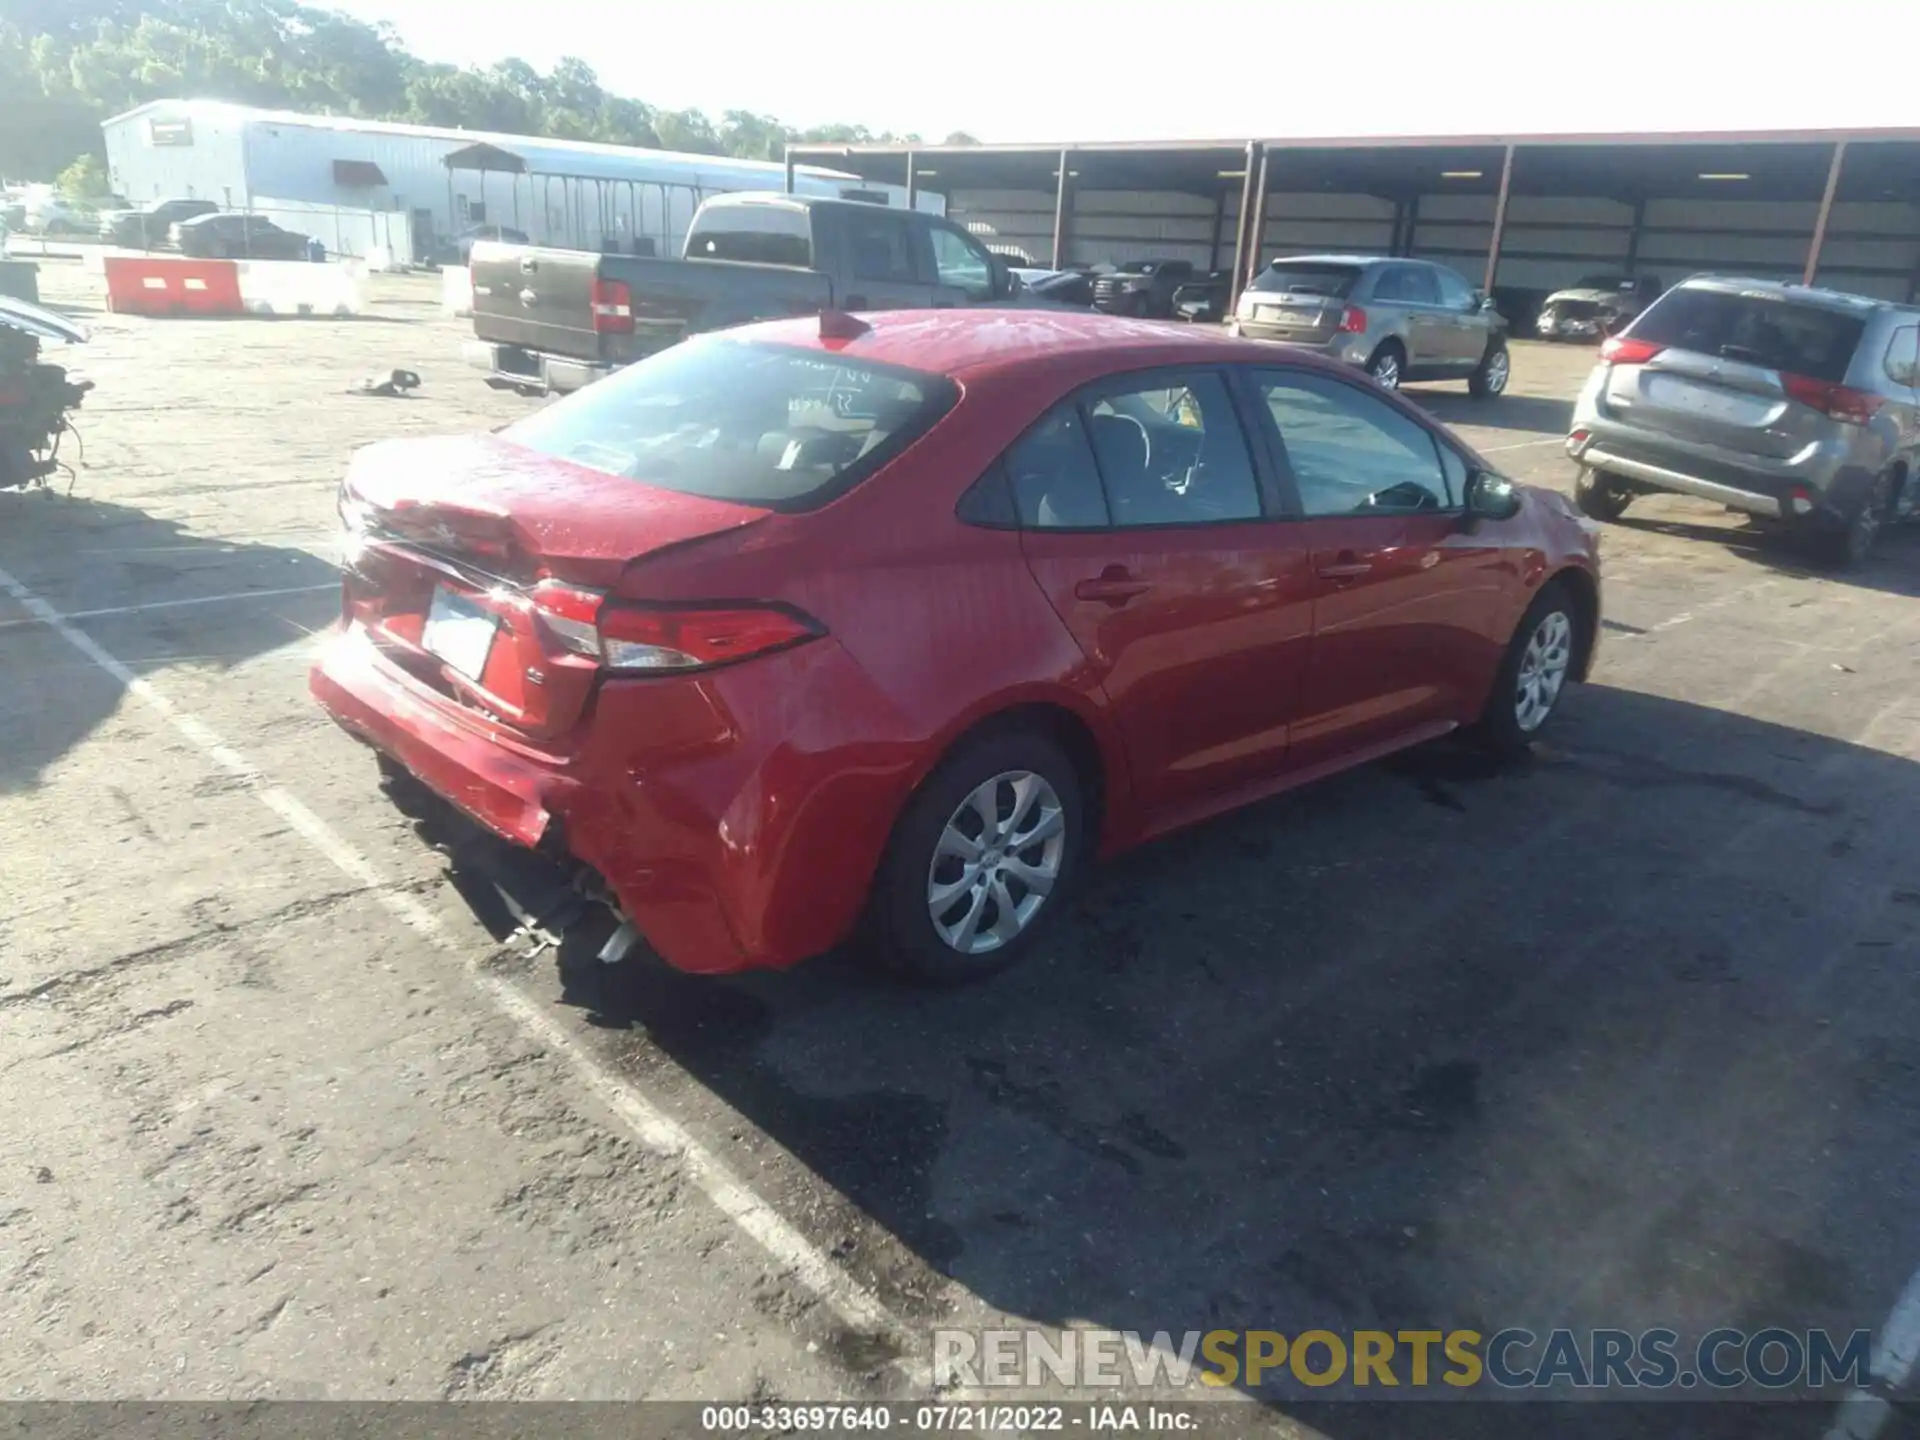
point(66, 65)
point(85, 179)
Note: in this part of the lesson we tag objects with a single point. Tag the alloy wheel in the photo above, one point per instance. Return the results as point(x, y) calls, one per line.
point(1543, 670)
point(997, 860)
point(1499, 366)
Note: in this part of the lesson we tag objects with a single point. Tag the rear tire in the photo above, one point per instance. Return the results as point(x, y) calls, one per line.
point(1489, 381)
point(1600, 496)
point(1388, 365)
point(943, 846)
point(1851, 544)
point(1541, 659)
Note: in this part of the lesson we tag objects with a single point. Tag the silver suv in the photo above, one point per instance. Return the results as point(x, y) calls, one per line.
point(1781, 400)
point(1396, 319)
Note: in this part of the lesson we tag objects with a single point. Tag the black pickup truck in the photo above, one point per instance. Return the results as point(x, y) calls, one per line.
point(555, 320)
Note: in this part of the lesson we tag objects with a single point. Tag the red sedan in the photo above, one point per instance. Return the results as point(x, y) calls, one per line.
point(891, 624)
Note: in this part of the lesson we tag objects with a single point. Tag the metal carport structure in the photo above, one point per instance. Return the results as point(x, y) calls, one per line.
point(1520, 214)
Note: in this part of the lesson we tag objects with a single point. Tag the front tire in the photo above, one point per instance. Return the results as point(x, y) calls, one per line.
point(1600, 496)
point(1533, 674)
point(980, 860)
point(1489, 380)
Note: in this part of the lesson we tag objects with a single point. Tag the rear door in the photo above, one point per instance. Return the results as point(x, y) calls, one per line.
point(1144, 519)
point(1412, 290)
point(1901, 365)
point(1406, 606)
point(539, 298)
point(1720, 367)
point(879, 254)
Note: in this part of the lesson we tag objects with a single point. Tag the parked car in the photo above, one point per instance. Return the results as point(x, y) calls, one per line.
point(230, 236)
point(46, 212)
point(1204, 299)
point(463, 243)
point(1141, 287)
point(1595, 306)
point(1398, 320)
point(1060, 287)
point(1783, 401)
point(148, 227)
point(891, 624)
point(555, 320)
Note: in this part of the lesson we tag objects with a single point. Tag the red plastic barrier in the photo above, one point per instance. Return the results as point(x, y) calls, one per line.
point(172, 285)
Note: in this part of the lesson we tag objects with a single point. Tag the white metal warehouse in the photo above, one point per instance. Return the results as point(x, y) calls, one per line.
point(359, 183)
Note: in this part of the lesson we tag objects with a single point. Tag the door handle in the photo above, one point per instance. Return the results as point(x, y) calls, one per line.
point(1345, 570)
point(1116, 587)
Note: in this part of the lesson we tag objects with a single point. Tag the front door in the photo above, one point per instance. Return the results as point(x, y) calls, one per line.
point(1144, 519)
point(1404, 600)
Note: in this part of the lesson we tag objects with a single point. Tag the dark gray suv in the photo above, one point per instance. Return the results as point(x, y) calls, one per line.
point(1396, 319)
point(1784, 401)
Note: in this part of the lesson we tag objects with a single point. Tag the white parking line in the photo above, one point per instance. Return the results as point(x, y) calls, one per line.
point(35, 619)
point(1521, 445)
point(652, 1126)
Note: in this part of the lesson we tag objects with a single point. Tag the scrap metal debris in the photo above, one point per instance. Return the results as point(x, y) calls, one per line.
point(390, 384)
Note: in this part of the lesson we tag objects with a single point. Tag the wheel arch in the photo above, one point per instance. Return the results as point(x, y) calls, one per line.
point(1585, 590)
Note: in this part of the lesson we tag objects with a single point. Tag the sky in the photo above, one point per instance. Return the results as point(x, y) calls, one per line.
point(1047, 70)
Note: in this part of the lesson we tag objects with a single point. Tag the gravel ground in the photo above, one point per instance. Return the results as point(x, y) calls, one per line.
point(1624, 1036)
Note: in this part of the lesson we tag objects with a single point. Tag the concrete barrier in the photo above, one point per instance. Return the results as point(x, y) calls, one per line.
point(301, 288)
point(171, 285)
point(456, 291)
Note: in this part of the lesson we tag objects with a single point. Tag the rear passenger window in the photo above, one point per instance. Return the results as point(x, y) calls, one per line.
point(880, 248)
point(1173, 453)
point(1056, 485)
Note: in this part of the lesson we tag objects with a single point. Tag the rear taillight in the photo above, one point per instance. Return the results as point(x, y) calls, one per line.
point(1623, 350)
point(638, 638)
point(1837, 402)
point(612, 307)
point(1353, 320)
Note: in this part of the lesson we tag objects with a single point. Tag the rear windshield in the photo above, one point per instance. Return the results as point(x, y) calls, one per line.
point(1335, 281)
point(729, 420)
point(760, 247)
point(1756, 329)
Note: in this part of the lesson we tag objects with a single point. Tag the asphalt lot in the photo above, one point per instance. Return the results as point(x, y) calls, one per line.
point(1624, 1036)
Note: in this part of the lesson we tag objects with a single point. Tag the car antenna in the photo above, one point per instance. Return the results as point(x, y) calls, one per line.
point(839, 325)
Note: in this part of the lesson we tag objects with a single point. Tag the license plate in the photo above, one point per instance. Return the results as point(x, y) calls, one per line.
point(459, 632)
point(1293, 319)
point(1726, 406)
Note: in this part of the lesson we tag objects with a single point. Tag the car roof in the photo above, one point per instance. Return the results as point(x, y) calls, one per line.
point(1839, 300)
point(1343, 260)
point(973, 343)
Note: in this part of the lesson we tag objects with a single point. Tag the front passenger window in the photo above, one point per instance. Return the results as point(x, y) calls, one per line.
point(962, 265)
point(1351, 453)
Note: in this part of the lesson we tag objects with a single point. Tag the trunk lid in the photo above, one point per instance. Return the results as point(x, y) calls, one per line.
point(1304, 299)
point(1723, 368)
point(448, 537)
point(535, 297)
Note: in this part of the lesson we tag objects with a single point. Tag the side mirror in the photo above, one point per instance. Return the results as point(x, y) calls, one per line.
point(1490, 497)
point(1486, 301)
